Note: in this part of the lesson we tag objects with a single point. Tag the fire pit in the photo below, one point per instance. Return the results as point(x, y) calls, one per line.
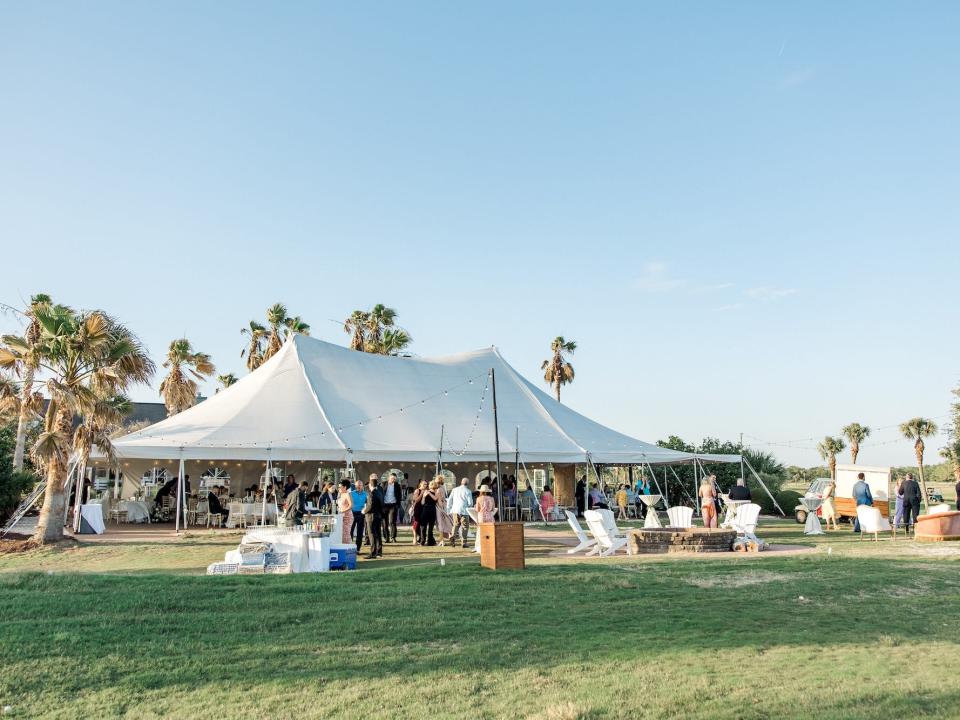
point(672, 540)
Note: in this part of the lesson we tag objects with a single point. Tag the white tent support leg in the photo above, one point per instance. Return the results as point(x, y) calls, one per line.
point(180, 491)
point(696, 484)
point(763, 485)
point(263, 504)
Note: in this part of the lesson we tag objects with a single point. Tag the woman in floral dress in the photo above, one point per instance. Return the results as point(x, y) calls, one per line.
point(345, 508)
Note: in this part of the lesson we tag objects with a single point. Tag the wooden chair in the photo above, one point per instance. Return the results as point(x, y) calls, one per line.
point(118, 513)
point(680, 516)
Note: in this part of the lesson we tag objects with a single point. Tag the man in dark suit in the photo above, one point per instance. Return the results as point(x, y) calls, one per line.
point(373, 517)
point(580, 493)
point(213, 503)
point(911, 500)
point(740, 491)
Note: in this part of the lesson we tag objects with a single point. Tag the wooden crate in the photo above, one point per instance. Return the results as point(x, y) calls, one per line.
point(847, 507)
point(501, 545)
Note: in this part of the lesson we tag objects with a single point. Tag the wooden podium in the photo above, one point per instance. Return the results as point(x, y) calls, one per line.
point(501, 545)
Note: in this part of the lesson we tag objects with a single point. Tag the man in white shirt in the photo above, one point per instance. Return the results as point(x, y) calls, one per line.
point(461, 498)
point(392, 496)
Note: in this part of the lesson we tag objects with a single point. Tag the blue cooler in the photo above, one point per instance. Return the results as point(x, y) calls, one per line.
point(343, 557)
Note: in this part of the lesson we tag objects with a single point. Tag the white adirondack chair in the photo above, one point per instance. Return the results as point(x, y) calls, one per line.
point(585, 541)
point(680, 516)
point(745, 521)
point(607, 542)
point(610, 523)
point(871, 521)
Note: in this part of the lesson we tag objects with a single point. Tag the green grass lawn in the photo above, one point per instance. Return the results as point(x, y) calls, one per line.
point(131, 630)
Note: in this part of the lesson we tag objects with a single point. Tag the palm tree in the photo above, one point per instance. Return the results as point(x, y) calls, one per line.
point(855, 433)
point(179, 389)
point(829, 448)
point(557, 371)
point(395, 341)
point(356, 327)
point(255, 347)
point(951, 453)
point(276, 319)
point(98, 426)
point(379, 319)
point(26, 367)
point(88, 356)
point(295, 326)
point(917, 429)
point(9, 398)
point(226, 381)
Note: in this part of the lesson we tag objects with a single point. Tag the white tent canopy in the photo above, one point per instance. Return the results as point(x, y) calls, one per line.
point(318, 401)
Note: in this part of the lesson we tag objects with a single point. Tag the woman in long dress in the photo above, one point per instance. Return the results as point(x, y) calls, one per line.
point(485, 505)
point(898, 508)
point(827, 509)
point(547, 503)
point(416, 506)
point(444, 521)
point(707, 507)
point(428, 514)
point(345, 508)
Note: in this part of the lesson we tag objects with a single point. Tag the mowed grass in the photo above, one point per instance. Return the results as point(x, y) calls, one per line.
point(865, 631)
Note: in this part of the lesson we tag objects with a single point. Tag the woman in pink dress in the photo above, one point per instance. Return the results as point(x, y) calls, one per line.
point(547, 503)
point(485, 505)
point(345, 508)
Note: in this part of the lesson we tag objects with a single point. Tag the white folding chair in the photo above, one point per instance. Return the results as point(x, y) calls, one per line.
point(745, 521)
point(607, 542)
point(680, 516)
point(585, 541)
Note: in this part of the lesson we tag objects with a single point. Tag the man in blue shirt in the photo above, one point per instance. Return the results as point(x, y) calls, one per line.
point(359, 497)
point(861, 496)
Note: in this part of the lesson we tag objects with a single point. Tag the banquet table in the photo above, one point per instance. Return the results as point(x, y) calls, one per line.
point(137, 511)
point(253, 511)
point(92, 514)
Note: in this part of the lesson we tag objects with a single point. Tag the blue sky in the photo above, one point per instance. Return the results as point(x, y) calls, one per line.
point(746, 214)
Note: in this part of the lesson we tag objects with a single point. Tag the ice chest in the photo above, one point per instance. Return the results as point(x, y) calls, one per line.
point(501, 545)
point(343, 557)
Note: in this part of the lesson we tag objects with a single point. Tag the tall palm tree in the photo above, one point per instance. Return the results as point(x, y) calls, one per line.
point(88, 356)
point(917, 429)
point(356, 327)
point(97, 427)
point(256, 344)
point(557, 370)
point(855, 433)
point(295, 326)
point(179, 387)
point(277, 320)
point(395, 341)
point(27, 368)
point(226, 381)
point(829, 448)
point(951, 453)
point(379, 319)
point(9, 398)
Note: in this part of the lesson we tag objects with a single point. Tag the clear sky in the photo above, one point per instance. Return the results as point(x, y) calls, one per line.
point(746, 214)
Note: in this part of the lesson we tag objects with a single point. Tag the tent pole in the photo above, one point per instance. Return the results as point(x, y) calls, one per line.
point(440, 453)
point(496, 435)
point(657, 483)
point(71, 480)
point(696, 484)
point(179, 492)
point(765, 489)
point(741, 459)
point(81, 471)
point(263, 509)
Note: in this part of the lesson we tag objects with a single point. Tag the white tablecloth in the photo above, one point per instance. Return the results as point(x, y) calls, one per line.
point(137, 511)
point(301, 546)
point(93, 514)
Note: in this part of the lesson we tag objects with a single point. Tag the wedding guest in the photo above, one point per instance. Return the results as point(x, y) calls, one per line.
point(392, 497)
point(621, 498)
point(597, 498)
point(580, 493)
point(828, 510)
point(345, 508)
point(428, 514)
point(707, 507)
point(898, 507)
point(911, 501)
point(373, 516)
point(444, 521)
point(547, 503)
point(740, 491)
point(359, 497)
point(485, 505)
point(416, 508)
point(460, 500)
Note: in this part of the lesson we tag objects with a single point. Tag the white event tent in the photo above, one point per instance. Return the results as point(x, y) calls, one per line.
point(322, 402)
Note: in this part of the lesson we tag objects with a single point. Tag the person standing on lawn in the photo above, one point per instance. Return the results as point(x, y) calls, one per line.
point(707, 507)
point(898, 508)
point(373, 516)
point(392, 496)
point(547, 503)
point(444, 522)
point(828, 511)
point(416, 507)
point(460, 500)
point(861, 496)
point(621, 497)
point(485, 505)
point(359, 497)
point(345, 508)
point(580, 494)
point(428, 514)
point(911, 501)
